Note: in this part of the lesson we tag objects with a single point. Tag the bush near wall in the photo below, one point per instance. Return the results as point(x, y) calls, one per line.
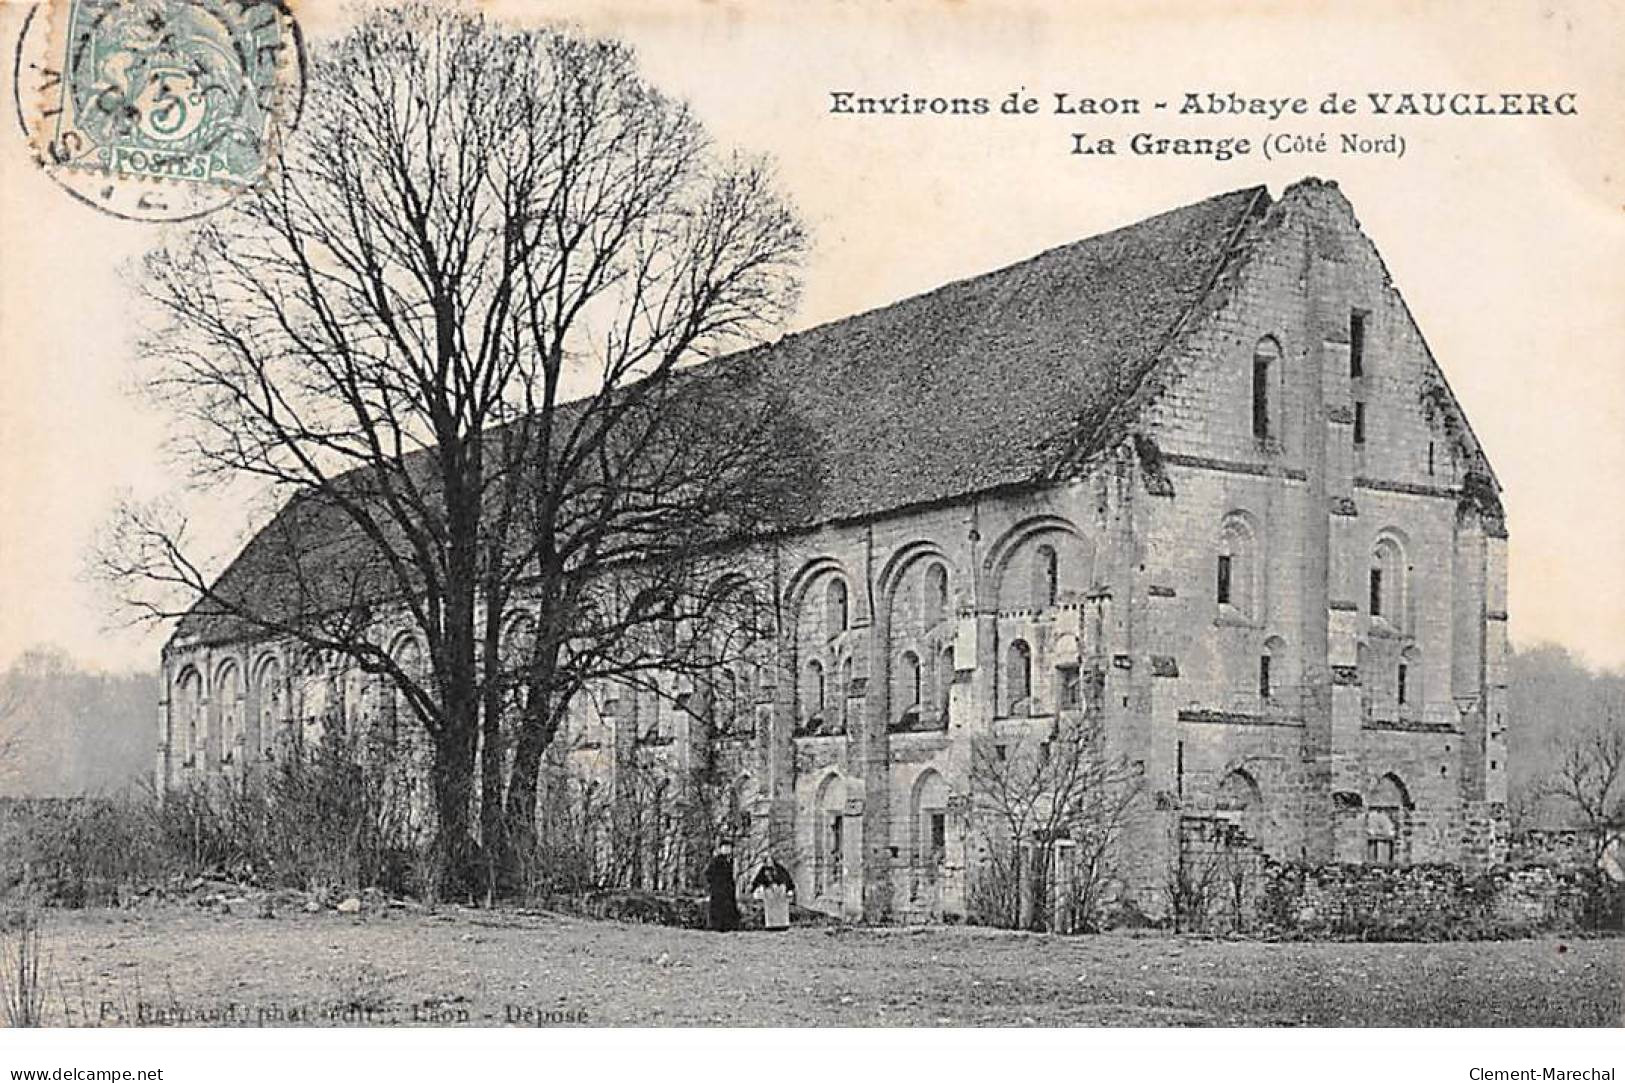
point(1432, 902)
point(75, 851)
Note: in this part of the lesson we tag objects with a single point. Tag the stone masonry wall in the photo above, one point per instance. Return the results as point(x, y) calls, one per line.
point(837, 770)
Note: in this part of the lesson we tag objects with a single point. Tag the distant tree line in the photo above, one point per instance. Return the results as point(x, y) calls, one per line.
point(67, 730)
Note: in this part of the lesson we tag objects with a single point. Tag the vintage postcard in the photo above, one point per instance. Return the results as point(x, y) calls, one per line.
point(978, 515)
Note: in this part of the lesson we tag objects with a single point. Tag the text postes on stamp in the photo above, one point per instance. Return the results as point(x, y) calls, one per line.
point(158, 109)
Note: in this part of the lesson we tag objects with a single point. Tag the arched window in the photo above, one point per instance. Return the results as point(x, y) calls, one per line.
point(1388, 809)
point(1240, 803)
point(228, 711)
point(1046, 577)
point(1266, 378)
point(829, 841)
point(812, 689)
point(1238, 792)
point(1362, 666)
point(934, 604)
point(1408, 684)
point(906, 687)
point(315, 690)
point(184, 717)
point(268, 702)
point(1386, 588)
point(930, 824)
point(1270, 670)
point(399, 715)
point(1236, 572)
point(835, 606)
point(1018, 672)
point(845, 692)
point(1381, 835)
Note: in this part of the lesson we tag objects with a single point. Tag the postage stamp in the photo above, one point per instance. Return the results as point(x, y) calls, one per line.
point(158, 109)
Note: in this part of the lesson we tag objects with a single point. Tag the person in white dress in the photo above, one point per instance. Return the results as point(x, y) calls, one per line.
point(775, 886)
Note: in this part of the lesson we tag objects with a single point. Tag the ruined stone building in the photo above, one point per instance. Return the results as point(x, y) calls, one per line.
point(1200, 475)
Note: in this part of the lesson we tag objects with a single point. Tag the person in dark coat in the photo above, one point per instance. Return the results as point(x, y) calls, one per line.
point(722, 913)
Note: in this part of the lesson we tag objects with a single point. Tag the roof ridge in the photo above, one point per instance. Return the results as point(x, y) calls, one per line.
point(1253, 191)
point(1132, 401)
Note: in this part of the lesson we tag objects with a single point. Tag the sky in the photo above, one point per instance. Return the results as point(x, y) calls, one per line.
point(1505, 235)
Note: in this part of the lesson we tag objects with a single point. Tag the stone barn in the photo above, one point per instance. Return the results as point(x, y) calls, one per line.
point(1198, 482)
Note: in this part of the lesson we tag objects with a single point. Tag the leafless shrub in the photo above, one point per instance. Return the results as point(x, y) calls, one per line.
point(25, 968)
point(1589, 778)
point(1037, 796)
point(328, 817)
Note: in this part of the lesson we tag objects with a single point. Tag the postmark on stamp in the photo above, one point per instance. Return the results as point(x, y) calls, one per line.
point(158, 109)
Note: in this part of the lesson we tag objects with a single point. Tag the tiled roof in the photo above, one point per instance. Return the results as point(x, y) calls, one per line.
point(987, 382)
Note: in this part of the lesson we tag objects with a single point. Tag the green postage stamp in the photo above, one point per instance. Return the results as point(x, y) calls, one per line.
point(159, 109)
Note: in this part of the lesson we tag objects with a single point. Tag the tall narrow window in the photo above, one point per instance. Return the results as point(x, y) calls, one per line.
point(813, 690)
point(835, 614)
point(936, 594)
point(1359, 423)
point(1368, 680)
point(1071, 687)
point(1357, 344)
point(1019, 673)
point(1388, 582)
point(908, 682)
point(844, 692)
point(270, 706)
point(1261, 395)
point(226, 702)
point(938, 837)
point(1379, 849)
point(836, 853)
point(1430, 458)
point(827, 841)
point(1265, 688)
point(1237, 586)
point(1411, 693)
point(1267, 383)
point(190, 698)
point(1046, 577)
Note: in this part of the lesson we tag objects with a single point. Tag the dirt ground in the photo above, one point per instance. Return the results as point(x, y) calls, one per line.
point(178, 964)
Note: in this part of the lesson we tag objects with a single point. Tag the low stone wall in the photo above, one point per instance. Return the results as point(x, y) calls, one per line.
point(1423, 902)
point(1568, 849)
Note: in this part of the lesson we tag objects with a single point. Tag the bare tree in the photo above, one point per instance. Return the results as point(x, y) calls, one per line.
point(1032, 792)
point(454, 334)
point(1589, 777)
point(1199, 861)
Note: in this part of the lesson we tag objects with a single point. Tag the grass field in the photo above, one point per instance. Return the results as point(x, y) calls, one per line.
point(182, 964)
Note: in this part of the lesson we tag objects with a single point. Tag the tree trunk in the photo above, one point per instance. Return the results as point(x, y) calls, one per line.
point(493, 700)
point(539, 722)
point(452, 777)
point(458, 849)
